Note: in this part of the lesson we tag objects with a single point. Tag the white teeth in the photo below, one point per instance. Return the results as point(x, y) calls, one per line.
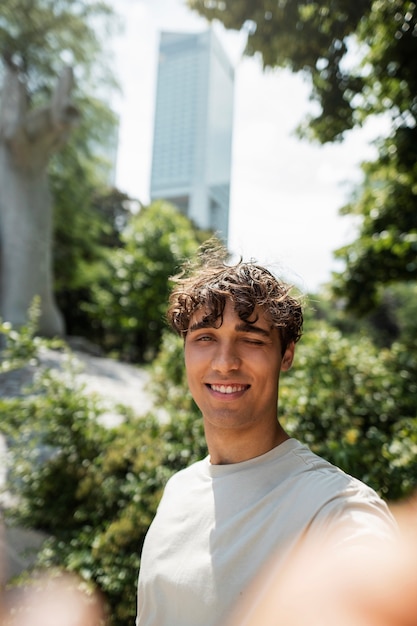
point(227, 388)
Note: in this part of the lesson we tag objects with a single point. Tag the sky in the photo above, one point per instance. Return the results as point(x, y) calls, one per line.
point(285, 193)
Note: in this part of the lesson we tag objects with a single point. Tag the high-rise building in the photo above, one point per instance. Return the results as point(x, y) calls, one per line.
point(191, 163)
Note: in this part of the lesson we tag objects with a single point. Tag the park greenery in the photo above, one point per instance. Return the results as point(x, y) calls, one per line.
point(352, 392)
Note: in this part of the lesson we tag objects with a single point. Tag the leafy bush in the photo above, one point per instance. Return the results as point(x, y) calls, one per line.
point(356, 405)
point(94, 490)
point(18, 348)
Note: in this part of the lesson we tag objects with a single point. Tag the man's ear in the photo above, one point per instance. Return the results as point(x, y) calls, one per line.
point(288, 357)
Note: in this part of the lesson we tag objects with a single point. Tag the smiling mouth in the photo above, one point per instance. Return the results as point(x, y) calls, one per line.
point(228, 389)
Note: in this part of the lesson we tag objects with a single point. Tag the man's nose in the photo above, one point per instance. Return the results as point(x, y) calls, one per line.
point(226, 358)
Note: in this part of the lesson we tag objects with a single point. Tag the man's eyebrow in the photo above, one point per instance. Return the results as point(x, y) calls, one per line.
point(243, 327)
point(201, 324)
point(246, 327)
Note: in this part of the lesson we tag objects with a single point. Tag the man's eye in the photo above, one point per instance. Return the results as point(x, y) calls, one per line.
point(255, 342)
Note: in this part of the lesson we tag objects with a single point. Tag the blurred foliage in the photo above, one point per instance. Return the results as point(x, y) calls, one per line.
point(169, 365)
point(17, 348)
point(360, 59)
point(356, 405)
point(39, 37)
point(94, 490)
point(393, 319)
point(88, 222)
point(359, 56)
point(385, 251)
point(128, 302)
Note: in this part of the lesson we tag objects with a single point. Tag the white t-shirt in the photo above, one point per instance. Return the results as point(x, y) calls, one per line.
point(217, 525)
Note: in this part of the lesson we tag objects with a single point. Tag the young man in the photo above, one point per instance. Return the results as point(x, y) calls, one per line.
point(259, 494)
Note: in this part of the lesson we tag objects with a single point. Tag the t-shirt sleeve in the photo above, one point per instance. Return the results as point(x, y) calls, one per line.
point(356, 516)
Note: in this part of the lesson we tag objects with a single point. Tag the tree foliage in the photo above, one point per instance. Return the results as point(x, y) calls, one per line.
point(360, 58)
point(38, 37)
point(393, 320)
point(128, 304)
point(358, 55)
point(88, 220)
point(385, 251)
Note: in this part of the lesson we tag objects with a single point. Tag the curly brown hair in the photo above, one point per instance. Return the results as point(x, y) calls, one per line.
point(209, 282)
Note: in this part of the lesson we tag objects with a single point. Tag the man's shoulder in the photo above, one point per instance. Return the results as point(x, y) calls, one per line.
point(341, 496)
point(329, 484)
point(308, 463)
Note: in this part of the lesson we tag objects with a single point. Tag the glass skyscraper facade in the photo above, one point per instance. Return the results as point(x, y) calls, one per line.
point(192, 146)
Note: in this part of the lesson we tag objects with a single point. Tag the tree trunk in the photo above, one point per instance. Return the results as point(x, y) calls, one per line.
point(27, 141)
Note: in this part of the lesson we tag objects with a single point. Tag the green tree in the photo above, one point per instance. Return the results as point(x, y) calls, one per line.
point(129, 305)
point(393, 319)
point(89, 219)
point(360, 59)
point(359, 55)
point(385, 251)
point(38, 37)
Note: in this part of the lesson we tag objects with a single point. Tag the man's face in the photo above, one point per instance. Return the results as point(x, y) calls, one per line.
point(233, 370)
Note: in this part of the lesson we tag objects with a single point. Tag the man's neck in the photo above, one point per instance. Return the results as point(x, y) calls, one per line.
point(227, 448)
